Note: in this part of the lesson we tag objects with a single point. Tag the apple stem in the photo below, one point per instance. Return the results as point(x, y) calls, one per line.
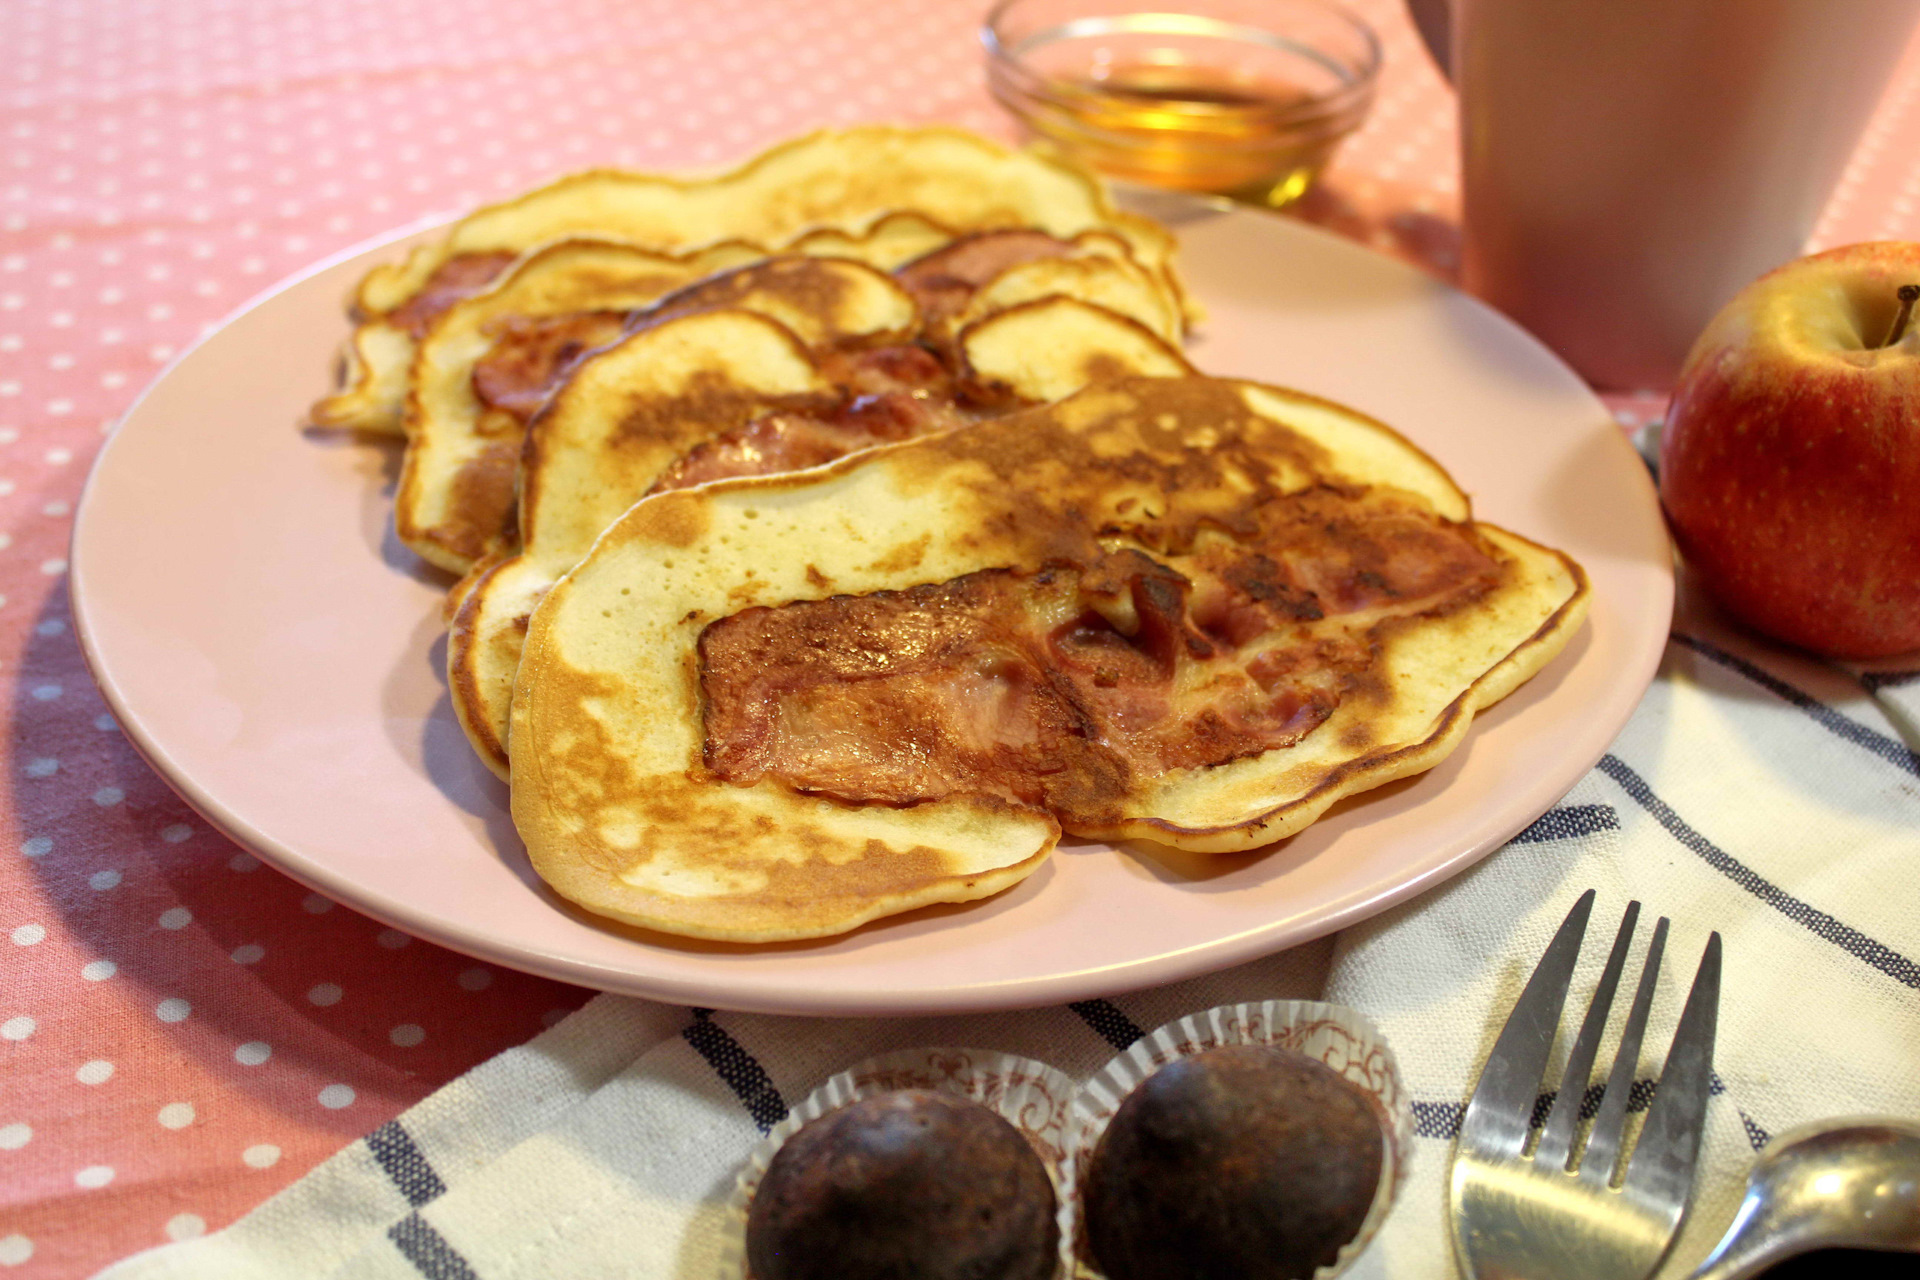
point(1908, 295)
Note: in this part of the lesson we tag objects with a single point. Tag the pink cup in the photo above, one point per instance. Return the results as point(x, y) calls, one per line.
point(1629, 165)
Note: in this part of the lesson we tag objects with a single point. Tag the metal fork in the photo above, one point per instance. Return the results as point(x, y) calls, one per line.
point(1562, 1213)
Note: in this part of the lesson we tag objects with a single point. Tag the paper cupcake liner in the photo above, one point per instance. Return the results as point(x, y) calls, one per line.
point(1031, 1096)
point(1328, 1033)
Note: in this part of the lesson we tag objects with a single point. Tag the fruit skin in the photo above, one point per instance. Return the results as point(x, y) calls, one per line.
point(1790, 461)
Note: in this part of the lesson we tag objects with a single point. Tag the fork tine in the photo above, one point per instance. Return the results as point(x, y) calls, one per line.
point(1661, 1168)
point(1603, 1144)
point(1556, 1140)
point(1498, 1114)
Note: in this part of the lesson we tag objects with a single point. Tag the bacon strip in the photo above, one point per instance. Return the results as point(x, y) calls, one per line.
point(460, 276)
point(1026, 687)
point(532, 355)
point(894, 392)
point(890, 393)
point(942, 282)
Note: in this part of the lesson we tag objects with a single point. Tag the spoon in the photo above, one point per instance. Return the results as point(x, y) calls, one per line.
point(1851, 1183)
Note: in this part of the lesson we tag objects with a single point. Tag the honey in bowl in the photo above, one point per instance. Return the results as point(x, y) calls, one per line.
point(1192, 128)
point(1244, 98)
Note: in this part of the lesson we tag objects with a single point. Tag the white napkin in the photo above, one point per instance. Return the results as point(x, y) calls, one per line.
point(1767, 796)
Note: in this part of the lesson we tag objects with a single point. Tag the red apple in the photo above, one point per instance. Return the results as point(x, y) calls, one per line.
point(1790, 462)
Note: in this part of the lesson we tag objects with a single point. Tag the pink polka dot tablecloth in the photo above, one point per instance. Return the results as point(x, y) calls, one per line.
point(183, 1031)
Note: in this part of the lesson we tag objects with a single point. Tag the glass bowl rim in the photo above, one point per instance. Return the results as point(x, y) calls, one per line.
point(1353, 94)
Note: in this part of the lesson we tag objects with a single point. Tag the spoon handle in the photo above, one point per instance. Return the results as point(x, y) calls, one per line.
point(1849, 1183)
point(1741, 1255)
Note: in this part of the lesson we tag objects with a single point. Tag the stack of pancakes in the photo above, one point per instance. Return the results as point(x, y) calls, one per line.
point(835, 532)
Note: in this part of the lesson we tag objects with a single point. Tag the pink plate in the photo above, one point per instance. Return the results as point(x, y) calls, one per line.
point(276, 654)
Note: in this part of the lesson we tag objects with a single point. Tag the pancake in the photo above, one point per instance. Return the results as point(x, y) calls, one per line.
point(1111, 280)
point(489, 362)
point(455, 499)
point(1181, 610)
point(482, 371)
point(835, 178)
point(731, 392)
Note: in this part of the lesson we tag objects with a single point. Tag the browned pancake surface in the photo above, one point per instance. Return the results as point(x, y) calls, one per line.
point(1182, 609)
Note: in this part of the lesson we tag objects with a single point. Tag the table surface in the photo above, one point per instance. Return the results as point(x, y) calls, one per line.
point(184, 1031)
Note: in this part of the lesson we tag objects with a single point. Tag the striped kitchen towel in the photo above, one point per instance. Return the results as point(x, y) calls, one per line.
point(1765, 795)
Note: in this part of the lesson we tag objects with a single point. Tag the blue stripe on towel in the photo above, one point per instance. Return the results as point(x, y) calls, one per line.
point(393, 1147)
point(1639, 1098)
point(733, 1064)
point(1893, 752)
point(1436, 1119)
point(1442, 1119)
point(428, 1250)
point(1113, 1026)
point(1569, 822)
point(1757, 1137)
point(1847, 938)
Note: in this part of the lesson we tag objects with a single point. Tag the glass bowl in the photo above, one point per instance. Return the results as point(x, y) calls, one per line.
point(1242, 98)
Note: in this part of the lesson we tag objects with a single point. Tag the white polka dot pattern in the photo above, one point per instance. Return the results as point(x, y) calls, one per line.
point(93, 1177)
point(190, 1025)
point(261, 1156)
